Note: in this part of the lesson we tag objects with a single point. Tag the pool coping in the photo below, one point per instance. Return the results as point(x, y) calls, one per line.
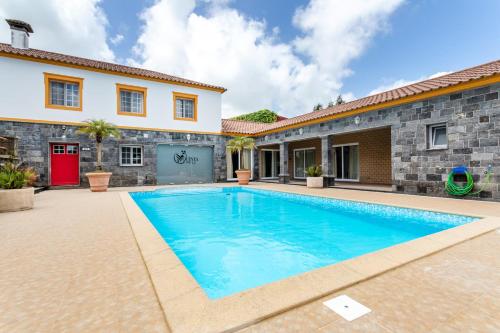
point(188, 309)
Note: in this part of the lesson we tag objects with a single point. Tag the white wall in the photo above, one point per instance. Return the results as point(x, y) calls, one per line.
point(22, 95)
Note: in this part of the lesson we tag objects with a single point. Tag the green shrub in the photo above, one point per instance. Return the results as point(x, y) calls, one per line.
point(261, 116)
point(12, 177)
point(314, 171)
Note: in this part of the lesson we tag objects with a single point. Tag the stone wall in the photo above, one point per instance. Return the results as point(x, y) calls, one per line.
point(34, 141)
point(473, 124)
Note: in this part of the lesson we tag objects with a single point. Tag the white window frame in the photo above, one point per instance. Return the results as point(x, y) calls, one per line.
point(272, 163)
point(136, 102)
point(251, 165)
point(58, 153)
point(75, 102)
point(180, 108)
point(294, 169)
point(430, 136)
point(335, 171)
point(75, 151)
point(131, 157)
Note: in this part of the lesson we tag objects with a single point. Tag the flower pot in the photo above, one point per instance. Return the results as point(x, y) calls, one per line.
point(243, 176)
point(18, 199)
point(315, 182)
point(99, 181)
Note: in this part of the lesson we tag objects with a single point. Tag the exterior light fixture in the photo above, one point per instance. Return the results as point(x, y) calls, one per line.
point(266, 138)
point(188, 137)
point(301, 131)
point(357, 120)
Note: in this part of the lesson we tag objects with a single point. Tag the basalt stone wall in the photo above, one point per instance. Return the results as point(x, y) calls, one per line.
point(472, 118)
point(34, 142)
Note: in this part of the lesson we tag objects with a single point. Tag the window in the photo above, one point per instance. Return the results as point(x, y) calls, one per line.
point(131, 100)
point(303, 158)
point(234, 162)
point(63, 92)
point(71, 149)
point(131, 155)
point(270, 163)
point(185, 106)
point(346, 162)
point(58, 149)
point(436, 137)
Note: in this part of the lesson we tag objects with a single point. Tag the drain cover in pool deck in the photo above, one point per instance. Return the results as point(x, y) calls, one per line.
point(346, 307)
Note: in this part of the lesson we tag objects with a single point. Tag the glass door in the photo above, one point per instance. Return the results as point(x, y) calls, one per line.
point(346, 162)
point(233, 163)
point(302, 159)
point(270, 164)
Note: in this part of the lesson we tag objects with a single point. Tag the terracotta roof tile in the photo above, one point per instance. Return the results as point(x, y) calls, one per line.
point(474, 73)
point(101, 65)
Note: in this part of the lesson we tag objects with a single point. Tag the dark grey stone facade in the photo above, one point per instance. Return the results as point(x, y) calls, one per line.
point(472, 118)
point(34, 140)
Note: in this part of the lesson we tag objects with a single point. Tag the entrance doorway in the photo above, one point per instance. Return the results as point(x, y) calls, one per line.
point(346, 162)
point(64, 164)
point(233, 163)
point(270, 163)
point(303, 158)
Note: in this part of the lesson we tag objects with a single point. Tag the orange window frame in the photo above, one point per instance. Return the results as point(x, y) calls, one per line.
point(62, 78)
point(178, 95)
point(126, 87)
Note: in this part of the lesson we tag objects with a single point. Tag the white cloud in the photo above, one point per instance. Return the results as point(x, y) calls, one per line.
point(227, 48)
point(402, 82)
point(117, 39)
point(76, 27)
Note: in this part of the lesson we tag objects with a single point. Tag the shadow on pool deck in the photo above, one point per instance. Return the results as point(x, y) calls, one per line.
point(72, 264)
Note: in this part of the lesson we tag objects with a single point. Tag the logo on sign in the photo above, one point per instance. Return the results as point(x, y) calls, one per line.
point(183, 158)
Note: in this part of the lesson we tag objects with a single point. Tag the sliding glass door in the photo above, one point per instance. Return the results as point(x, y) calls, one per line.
point(270, 163)
point(346, 162)
point(233, 163)
point(302, 159)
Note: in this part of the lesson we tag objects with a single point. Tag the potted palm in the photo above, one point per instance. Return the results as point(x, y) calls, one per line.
point(314, 176)
point(238, 144)
point(99, 129)
point(16, 190)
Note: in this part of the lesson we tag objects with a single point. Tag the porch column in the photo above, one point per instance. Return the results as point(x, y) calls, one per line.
point(326, 161)
point(284, 177)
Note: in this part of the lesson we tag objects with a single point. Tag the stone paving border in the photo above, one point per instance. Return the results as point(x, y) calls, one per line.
point(188, 309)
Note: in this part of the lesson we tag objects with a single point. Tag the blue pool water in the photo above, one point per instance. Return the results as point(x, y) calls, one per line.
point(232, 239)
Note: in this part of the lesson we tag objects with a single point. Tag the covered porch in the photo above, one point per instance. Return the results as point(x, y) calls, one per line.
point(357, 160)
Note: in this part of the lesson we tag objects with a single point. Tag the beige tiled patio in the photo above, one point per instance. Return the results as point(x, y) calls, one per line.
point(72, 265)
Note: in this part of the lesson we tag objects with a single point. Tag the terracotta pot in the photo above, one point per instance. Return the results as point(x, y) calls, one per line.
point(243, 176)
point(315, 182)
point(99, 181)
point(18, 199)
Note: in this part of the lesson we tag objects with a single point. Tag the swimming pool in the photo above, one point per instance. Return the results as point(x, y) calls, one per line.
point(232, 239)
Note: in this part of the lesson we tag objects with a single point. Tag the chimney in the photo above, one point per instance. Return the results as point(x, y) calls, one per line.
point(20, 33)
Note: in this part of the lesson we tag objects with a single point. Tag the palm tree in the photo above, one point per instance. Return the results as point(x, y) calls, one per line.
point(99, 129)
point(238, 143)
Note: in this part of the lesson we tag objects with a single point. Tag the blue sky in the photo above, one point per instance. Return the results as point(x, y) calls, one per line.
point(423, 37)
point(285, 55)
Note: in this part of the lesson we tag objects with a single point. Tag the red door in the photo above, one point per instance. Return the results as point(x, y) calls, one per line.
point(64, 164)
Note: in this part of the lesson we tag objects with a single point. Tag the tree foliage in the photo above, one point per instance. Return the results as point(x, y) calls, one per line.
point(238, 143)
point(318, 107)
point(261, 116)
point(99, 129)
point(340, 100)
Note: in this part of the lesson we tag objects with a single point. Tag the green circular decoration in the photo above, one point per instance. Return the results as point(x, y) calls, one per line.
point(457, 190)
